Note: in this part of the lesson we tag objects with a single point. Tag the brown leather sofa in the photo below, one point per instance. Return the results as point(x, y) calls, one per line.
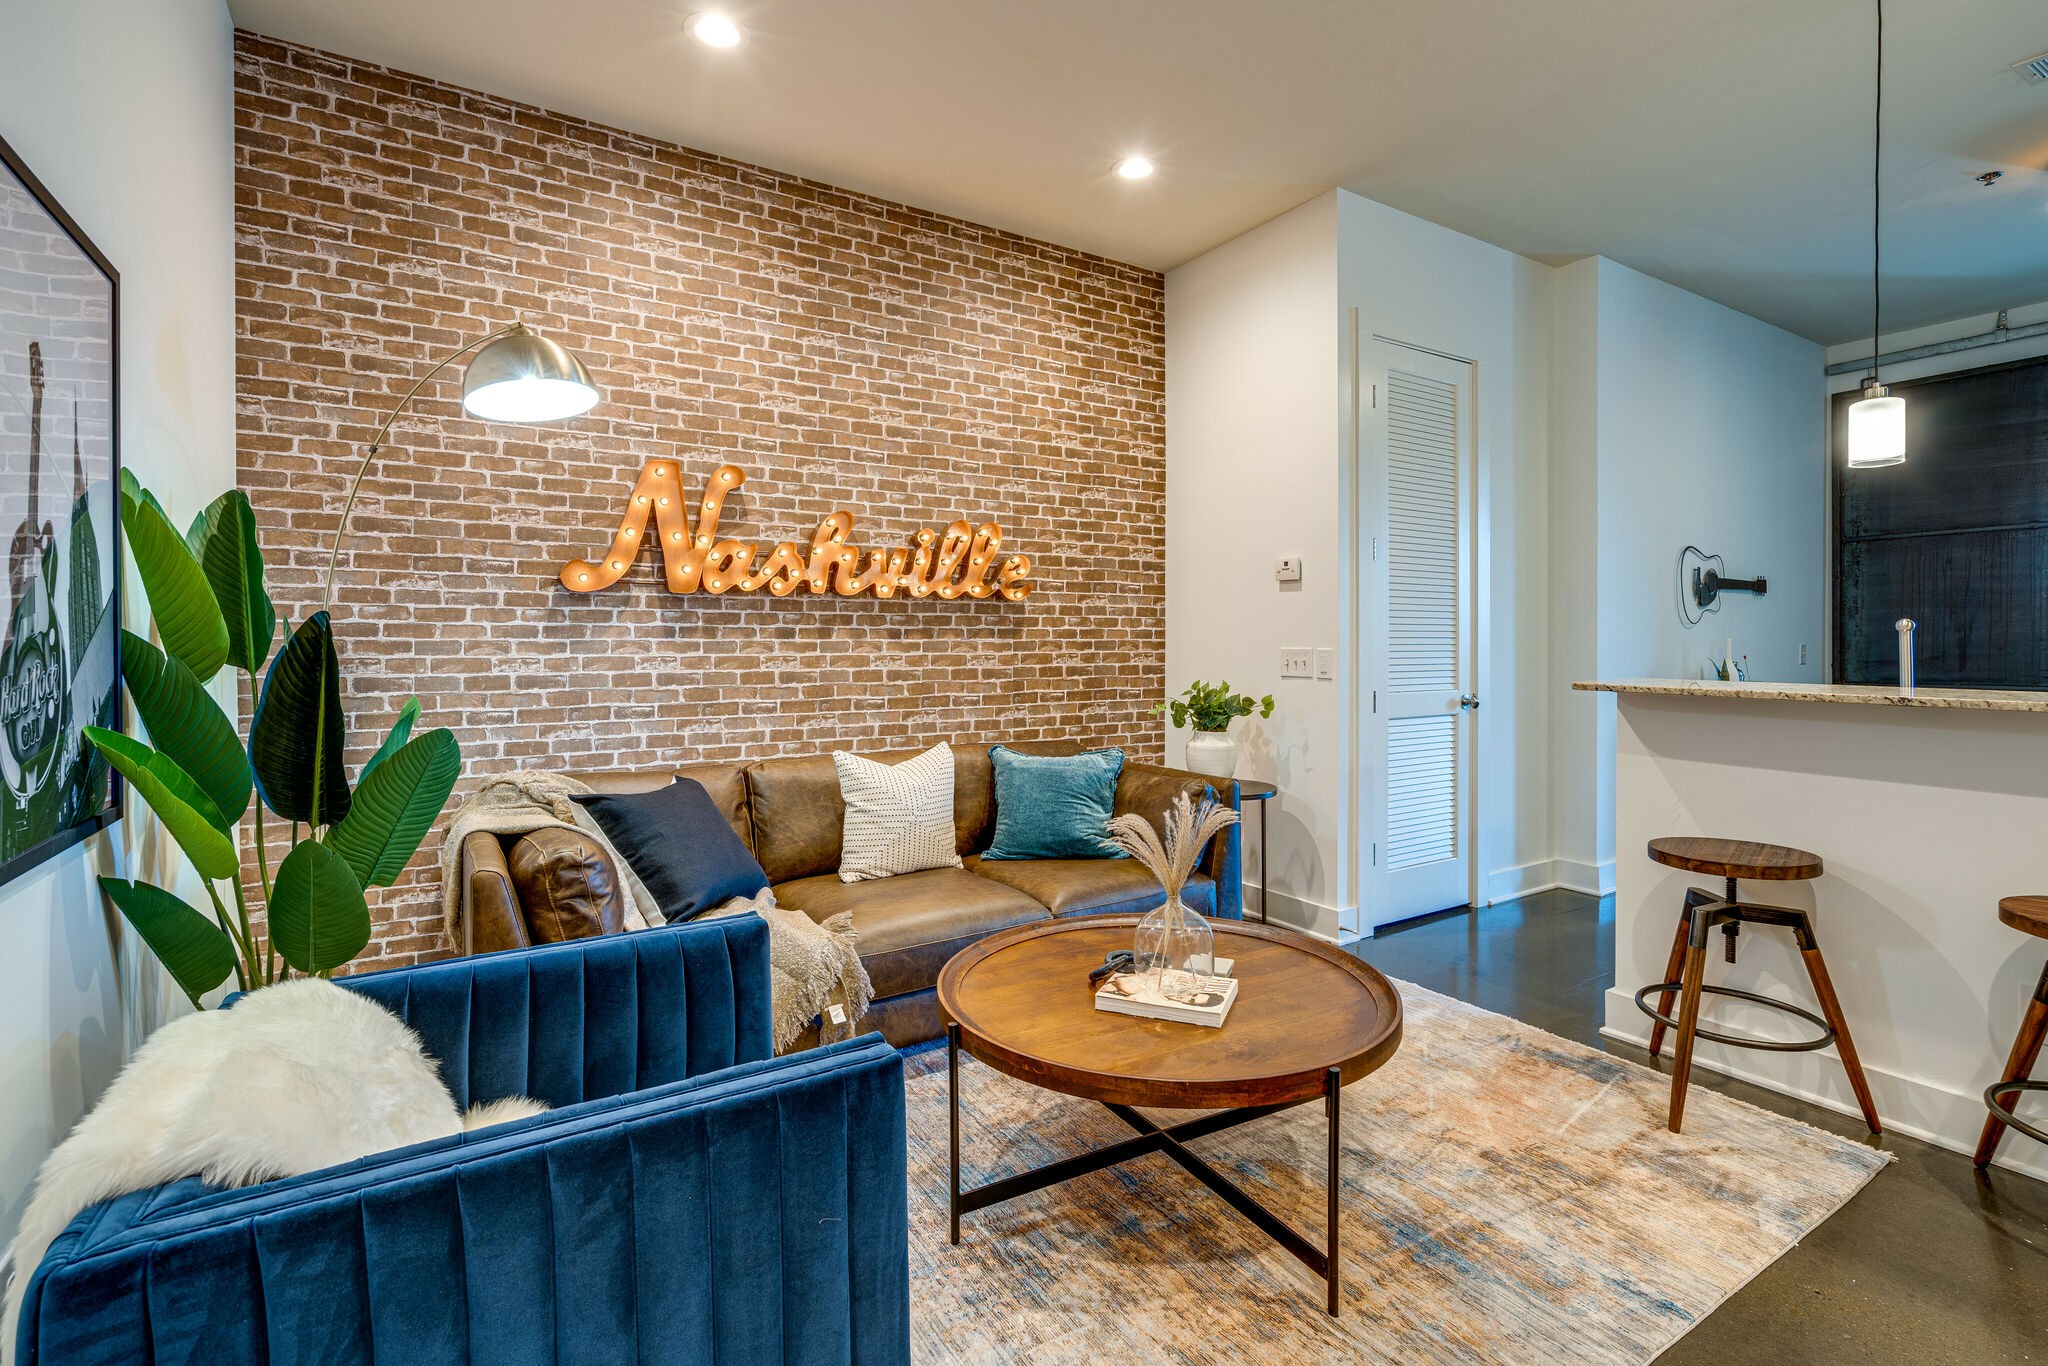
point(557, 884)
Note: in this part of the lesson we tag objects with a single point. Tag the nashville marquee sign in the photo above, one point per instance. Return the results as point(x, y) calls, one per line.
point(959, 562)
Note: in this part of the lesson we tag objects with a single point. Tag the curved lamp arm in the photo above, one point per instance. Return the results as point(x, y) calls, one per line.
point(377, 444)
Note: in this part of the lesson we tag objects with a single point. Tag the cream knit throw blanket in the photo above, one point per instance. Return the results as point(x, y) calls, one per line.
point(811, 966)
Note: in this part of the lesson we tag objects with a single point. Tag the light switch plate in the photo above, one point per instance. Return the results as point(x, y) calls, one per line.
point(1297, 663)
point(1326, 662)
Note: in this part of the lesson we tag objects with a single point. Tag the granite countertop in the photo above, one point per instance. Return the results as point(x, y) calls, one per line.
point(1958, 699)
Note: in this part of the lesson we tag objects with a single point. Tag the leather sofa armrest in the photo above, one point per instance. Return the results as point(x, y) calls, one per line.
point(492, 918)
point(1149, 789)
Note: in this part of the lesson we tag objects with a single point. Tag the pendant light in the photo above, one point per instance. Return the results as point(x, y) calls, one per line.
point(1877, 421)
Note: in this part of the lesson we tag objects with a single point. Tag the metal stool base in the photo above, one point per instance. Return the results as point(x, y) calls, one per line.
point(2013, 1121)
point(1827, 1033)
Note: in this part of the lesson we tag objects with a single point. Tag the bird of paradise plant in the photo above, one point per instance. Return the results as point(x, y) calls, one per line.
point(211, 609)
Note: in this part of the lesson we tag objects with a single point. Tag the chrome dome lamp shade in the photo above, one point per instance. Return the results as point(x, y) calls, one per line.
point(523, 377)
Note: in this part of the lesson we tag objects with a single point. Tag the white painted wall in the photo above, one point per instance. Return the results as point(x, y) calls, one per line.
point(123, 108)
point(1252, 418)
point(1582, 770)
point(1707, 428)
point(1620, 419)
point(1259, 375)
point(1422, 285)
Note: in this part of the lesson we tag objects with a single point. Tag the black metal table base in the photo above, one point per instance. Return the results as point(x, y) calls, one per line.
point(1172, 1141)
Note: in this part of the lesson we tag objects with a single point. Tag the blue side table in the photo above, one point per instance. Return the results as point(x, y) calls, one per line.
point(1248, 791)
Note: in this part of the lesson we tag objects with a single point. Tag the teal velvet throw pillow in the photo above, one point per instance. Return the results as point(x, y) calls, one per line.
point(1051, 806)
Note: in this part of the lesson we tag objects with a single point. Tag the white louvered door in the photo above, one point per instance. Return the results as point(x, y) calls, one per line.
point(1419, 458)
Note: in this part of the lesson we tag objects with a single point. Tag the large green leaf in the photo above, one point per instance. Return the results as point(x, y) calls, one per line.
point(132, 491)
point(198, 954)
point(224, 539)
point(187, 725)
point(395, 806)
point(318, 918)
point(187, 615)
point(401, 731)
point(186, 811)
point(298, 734)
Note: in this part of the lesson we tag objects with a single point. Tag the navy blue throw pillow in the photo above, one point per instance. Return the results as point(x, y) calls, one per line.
point(1055, 806)
point(678, 845)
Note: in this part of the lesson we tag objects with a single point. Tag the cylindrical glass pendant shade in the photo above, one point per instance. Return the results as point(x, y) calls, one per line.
point(1877, 429)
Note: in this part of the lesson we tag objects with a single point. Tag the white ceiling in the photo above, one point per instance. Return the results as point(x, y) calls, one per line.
point(1722, 145)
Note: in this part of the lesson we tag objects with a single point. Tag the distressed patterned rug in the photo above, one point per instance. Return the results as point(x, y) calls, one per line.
point(1509, 1196)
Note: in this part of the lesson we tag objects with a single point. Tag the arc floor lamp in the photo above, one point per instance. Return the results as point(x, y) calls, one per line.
point(516, 375)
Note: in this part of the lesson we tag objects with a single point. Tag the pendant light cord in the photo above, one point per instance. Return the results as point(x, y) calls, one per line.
point(1877, 207)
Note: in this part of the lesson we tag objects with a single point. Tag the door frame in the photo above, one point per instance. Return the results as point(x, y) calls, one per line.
point(1365, 457)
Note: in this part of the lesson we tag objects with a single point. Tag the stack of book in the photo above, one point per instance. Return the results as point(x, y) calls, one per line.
point(1190, 998)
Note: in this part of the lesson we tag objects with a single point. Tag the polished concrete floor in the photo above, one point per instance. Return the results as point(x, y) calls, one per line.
point(1929, 1263)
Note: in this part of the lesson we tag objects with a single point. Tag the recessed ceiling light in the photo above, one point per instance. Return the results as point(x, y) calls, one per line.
point(713, 29)
point(1135, 168)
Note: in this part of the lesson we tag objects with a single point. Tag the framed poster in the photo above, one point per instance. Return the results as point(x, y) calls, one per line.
point(60, 667)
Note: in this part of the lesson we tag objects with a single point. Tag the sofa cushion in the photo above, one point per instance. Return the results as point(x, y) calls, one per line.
point(910, 925)
point(1055, 806)
point(725, 784)
point(1088, 886)
point(679, 846)
point(798, 817)
point(899, 817)
point(567, 885)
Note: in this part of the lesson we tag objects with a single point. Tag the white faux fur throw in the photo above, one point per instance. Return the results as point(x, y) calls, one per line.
point(812, 965)
point(297, 1077)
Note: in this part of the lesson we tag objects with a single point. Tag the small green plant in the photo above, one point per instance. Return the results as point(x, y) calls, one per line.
point(1213, 706)
point(207, 595)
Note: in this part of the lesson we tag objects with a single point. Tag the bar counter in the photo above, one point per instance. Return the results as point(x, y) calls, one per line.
point(1925, 809)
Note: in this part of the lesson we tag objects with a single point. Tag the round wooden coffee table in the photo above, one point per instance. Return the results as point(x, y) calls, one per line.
point(1308, 1020)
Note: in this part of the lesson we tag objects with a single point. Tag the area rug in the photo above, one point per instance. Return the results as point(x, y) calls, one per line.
point(1509, 1196)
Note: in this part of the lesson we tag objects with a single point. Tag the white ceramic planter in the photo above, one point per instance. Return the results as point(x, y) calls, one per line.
point(1212, 752)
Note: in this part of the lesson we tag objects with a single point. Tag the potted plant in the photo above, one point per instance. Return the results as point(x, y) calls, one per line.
point(211, 609)
point(1212, 749)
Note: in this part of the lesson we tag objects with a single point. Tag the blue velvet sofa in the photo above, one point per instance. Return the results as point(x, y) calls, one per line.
point(690, 1199)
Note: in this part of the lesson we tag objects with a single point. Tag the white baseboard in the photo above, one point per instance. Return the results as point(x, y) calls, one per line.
point(1931, 1111)
point(1329, 923)
point(1505, 884)
point(1594, 879)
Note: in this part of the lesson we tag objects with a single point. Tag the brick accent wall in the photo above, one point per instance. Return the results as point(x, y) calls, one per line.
point(845, 351)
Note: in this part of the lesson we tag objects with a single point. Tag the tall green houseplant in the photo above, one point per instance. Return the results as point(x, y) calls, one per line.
point(211, 609)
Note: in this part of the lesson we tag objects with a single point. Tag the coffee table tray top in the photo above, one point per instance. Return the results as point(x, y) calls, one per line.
point(1023, 1005)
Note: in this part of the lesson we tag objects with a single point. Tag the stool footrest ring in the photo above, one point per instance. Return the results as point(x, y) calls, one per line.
point(1827, 1034)
point(2004, 1112)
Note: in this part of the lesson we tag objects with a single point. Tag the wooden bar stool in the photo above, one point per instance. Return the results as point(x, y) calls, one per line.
point(1685, 975)
point(2028, 915)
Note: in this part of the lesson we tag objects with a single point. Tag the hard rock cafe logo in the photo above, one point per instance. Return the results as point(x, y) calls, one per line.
point(32, 699)
point(959, 562)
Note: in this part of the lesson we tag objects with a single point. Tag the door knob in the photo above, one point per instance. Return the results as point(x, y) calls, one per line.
point(1468, 701)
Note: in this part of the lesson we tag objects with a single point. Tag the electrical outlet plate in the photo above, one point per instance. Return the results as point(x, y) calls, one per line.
point(1287, 569)
point(1297, 663)
point(1326, 662)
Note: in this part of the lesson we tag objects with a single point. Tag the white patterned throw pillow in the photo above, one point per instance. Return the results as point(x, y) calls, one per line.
point(899, 817)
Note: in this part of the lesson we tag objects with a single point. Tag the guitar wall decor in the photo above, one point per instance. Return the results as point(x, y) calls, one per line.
point(959, 562)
